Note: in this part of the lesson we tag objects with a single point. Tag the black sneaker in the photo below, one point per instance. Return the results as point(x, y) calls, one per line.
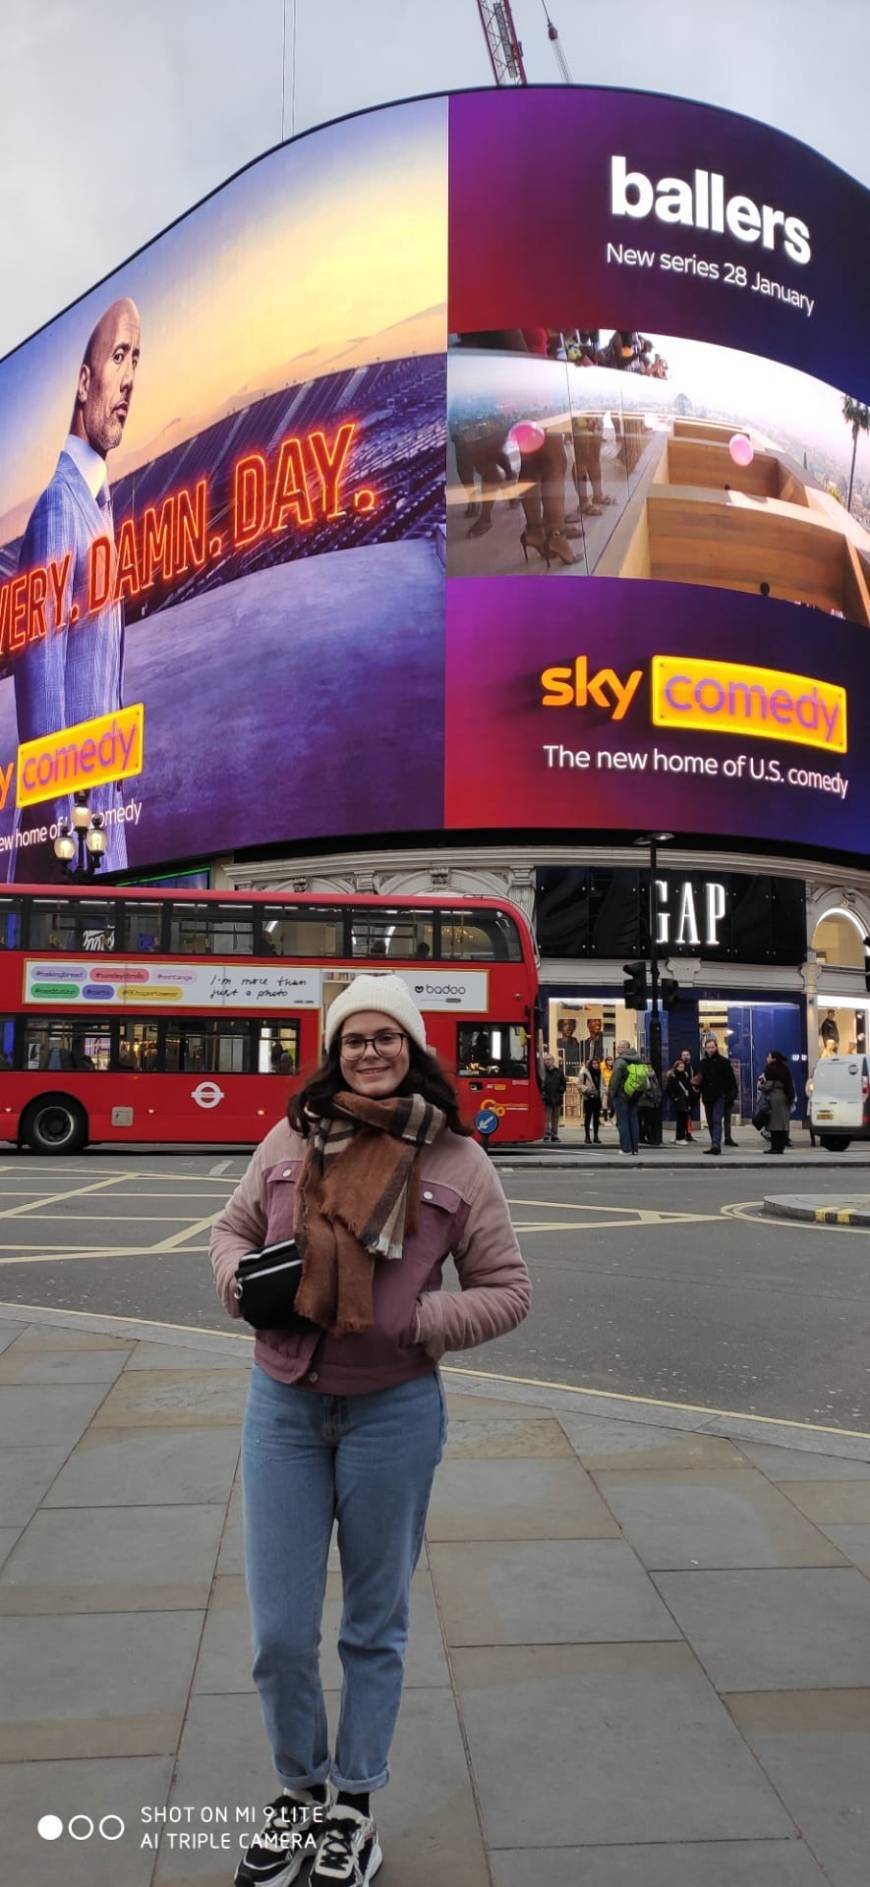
point(287, 1838)
point(349, 1853)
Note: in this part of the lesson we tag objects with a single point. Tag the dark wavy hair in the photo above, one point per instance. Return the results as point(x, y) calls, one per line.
point(425, 1076)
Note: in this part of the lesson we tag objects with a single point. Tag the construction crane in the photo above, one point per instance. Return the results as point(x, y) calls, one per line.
point(504, 47)
point(556, 43)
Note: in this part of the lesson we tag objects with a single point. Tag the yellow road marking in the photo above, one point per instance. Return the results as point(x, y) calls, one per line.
point(654, 1402)
point(193, 1179)
point(74, 1192)
point(111, 1218)
point(95, 1251)
point(189, 1231)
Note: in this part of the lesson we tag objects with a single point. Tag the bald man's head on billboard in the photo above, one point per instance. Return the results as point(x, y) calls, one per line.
point(106, 378)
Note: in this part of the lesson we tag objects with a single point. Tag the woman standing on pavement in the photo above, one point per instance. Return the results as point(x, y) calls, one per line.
point(679, 1085)
point(375, 1176)
point(590, 1089)
point(778, 1089)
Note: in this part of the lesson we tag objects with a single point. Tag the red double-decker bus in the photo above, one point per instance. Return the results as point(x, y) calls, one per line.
point(141, 1014)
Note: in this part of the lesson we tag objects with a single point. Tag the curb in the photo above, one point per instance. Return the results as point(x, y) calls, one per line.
point(663, 1162)
point(562, 1398)
point(797, 1206)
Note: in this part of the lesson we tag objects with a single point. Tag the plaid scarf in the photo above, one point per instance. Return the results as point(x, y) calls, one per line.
point(355, 1201)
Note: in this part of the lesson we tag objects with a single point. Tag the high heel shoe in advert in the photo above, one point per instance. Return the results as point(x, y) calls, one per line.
point(535, 540)
point(558, 546)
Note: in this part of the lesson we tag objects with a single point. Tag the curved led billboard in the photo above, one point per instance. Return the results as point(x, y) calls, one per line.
point(454, 465)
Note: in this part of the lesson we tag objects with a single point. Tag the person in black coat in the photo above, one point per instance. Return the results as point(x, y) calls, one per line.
point(716, 1083)
point(553, 1089)
point(679, 1085)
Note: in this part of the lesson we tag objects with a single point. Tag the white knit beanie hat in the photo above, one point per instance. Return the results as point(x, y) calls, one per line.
point(384, 992)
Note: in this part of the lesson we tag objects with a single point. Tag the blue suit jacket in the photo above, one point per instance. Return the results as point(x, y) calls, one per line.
point(73, 673)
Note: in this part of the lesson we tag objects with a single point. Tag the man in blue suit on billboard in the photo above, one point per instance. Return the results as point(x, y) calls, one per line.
point(76, 671)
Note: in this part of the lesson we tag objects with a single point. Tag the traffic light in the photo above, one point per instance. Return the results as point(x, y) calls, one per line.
point(634, 987)
point(867, 962)
point(670, 989)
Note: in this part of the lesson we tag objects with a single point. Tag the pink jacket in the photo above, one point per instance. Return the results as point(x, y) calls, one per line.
point(463, 1213)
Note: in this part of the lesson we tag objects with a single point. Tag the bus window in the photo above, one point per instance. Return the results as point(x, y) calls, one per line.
point(307, 931)
point(211, 930)
point(7, 1043)
point(72, 924)
point(219, 1046)
point(138, 1049)
point(396, 934)
point(480, 936)
point(10, 924)
point(66, 1047)
point(141, 926)
point(493, 1048)
point(278, 1048)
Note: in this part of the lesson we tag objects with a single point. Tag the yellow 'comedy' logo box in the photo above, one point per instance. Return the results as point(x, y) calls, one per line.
point(738, 698)
point(90, 754)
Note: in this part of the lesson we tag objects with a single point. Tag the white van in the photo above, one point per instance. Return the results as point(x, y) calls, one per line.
point(840, 1103)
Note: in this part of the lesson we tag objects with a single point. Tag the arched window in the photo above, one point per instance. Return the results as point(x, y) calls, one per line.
point(838, 940)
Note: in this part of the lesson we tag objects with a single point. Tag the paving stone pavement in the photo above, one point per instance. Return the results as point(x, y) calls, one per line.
point(640, 1649)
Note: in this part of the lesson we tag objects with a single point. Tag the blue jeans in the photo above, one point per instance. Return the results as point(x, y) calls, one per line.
point(627, 1124)
point(715, 1112)
point(369, 1461)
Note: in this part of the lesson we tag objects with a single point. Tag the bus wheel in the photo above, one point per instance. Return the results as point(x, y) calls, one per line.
point(55, 1124)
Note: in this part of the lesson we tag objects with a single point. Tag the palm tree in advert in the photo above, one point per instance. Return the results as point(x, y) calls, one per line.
point(857, 416)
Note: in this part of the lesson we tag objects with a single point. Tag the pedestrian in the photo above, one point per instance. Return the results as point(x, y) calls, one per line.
point(717, 1086)
point(553, 1089)
point(647, 1106)
point(627, 1084)
point(679, 1086)
point(377, 1179)
point(777, 1087)
point(606, 1078)
point(590, 1089)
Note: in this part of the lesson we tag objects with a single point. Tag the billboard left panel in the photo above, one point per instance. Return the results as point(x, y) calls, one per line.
point(222, 503)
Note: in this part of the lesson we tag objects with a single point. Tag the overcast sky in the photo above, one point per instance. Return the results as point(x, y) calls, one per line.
point(115, 119)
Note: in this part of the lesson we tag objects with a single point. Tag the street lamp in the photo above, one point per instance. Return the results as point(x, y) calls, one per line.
point(652, 840)
point(85, 843)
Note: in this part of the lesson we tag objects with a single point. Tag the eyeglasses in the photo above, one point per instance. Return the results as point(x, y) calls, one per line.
point(387, 1042)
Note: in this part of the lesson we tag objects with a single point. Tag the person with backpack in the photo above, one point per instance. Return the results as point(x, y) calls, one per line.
point(647, 1104)
point(715, 1081)
point(553, 1088)
point(627, 1083)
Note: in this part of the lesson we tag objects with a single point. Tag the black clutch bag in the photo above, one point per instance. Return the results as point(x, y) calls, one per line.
point(266, 1285)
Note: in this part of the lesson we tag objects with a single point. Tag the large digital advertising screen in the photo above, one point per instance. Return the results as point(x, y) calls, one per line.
point(500, 460)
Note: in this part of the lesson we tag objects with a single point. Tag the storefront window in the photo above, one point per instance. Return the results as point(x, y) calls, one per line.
point(839, 941)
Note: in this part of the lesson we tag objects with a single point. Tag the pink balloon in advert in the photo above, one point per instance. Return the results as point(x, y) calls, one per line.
point(741, 449)
point(527, 437)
